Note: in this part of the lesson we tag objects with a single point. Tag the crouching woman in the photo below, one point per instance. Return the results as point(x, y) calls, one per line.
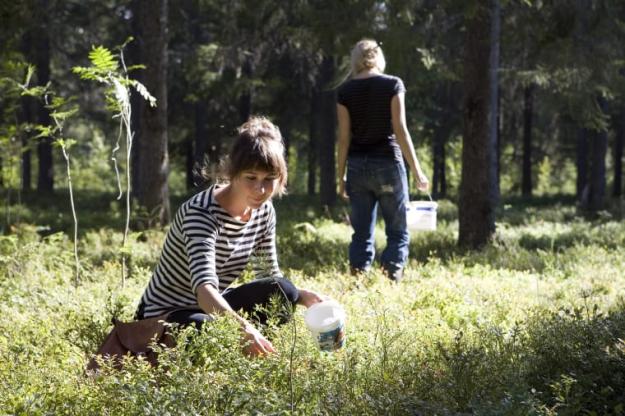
point(217, 233)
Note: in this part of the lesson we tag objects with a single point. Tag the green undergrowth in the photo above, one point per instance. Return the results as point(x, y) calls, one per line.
point(533, 324)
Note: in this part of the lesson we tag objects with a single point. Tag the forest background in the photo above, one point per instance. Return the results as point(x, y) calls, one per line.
point(517, 112)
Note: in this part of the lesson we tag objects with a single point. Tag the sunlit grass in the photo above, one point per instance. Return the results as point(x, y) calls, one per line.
point(530, 325)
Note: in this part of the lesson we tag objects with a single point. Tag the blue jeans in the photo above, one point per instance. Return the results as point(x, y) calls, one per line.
point(374, 181)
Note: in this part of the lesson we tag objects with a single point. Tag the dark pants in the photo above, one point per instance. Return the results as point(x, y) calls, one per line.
point(253, 298)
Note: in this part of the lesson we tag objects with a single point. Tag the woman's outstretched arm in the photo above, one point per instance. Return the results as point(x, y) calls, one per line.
point(398, 118)
point(211, 302)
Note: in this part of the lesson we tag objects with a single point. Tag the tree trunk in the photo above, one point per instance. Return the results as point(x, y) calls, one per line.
point(495, 29)
point(617, 185)
point(245, 100)
point(26, 117)
point(327, 119)
point(201, 154)
point(599, 150)
point(582, 166)
point(137, 102)
point(313, 139)
point(439, 180)
point(189, 163)
point(40, 56)
point(528, 112)
point(153, 156)
point(476, 207)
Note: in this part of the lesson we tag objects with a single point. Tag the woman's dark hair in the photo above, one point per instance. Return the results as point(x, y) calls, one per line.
point(258, 146)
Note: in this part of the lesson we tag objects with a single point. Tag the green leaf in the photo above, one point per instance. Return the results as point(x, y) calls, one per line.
point(30, 71)
point(134, 67)
point(141, 89)
point(103, 59)
point(64, 115)
point(44, 131)
point(34, 91)
point(65, 143)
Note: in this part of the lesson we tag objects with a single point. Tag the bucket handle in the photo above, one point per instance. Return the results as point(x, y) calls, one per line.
point(430, 197)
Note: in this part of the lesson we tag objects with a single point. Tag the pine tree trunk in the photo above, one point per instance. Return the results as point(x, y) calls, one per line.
point(439, 180)
point(327, 128)
point(495, 30)
point(201, 146)
point(245, 100)
point(313, 139)
point(40, 55)
point(189, 162)
point(617, 185)
point(134, 57)
point(528, 113)
point(599, 150)
point(26, 117)
point(152, 143)
point(582, 166)
point(476, 208)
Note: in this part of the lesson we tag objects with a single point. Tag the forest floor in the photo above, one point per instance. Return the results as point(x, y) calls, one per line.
point(532, 324)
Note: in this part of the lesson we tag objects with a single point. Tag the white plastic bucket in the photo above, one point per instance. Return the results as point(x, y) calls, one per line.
point(421, 215)
point(326, 322)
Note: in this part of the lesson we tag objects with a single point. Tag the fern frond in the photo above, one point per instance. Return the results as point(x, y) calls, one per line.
point(34, 92)
point(144, 92)
point(102, 59)
point(64, 115)
point(30, 71)
point(135, 67)
point(44, 131)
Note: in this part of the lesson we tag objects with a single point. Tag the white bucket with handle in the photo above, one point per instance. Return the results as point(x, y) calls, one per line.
point(326, 322)
point(421, 215)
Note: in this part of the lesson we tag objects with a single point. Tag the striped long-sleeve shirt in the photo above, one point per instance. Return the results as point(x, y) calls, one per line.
point(205, 245)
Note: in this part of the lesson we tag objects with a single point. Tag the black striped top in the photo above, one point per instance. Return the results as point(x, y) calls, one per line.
point(368, 101)
point(205, 245)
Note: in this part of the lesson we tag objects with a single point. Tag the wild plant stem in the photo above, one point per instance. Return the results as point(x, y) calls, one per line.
point(126, 116)
point(114, 159)
point(59, 126)
point(71, 199)
point(126, 120)
point(291, 358)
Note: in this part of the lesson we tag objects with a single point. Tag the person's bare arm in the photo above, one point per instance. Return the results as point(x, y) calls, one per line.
point(344, 125)
point(398, 118)
point(211, 302)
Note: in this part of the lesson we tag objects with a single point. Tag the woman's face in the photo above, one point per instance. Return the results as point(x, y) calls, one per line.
point(255, 186)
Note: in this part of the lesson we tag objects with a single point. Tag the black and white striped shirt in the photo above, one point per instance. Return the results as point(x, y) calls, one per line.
point(205, 245)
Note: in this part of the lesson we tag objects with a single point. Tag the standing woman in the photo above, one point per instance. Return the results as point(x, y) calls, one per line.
point(217, 233)
point(372, 139)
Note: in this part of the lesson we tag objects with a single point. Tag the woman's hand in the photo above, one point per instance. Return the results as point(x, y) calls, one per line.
point(309, 298)
point(255, 344)
point(342, 192)
point(423, 183)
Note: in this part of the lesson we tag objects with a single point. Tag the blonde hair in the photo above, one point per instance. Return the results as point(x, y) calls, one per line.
point(258, 146)
point(367, 54)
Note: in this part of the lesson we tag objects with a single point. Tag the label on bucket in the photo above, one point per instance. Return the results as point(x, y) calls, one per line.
point(333, 339)
point(421, 215)
point(326, 322)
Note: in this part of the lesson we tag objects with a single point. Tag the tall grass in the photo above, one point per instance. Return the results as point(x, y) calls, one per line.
point(531, 325)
